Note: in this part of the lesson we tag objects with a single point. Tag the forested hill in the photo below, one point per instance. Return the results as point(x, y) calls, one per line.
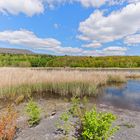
point(18, 60)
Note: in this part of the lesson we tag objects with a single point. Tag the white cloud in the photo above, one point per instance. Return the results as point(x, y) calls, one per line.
point(88, 3)
point(116, 25)
point(115, 48)
point(92, 3)
point(120, 2)
point(28, 7)
point(68, 50)
point(29, 39)
point(109, 51)
point(92, 45)
point(32, 7)
point(85, 3)
point(132, 1)
point(132, 39)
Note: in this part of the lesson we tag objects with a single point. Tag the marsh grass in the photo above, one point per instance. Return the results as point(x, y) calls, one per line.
point(116, 79)
point(133, 76)
point(60, 89)
point(15, 82)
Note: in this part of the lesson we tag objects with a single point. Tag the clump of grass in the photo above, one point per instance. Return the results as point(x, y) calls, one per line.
point(34, 113)
point(116, 79)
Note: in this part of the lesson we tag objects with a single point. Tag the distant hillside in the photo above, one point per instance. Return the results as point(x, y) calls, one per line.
point(14, 51)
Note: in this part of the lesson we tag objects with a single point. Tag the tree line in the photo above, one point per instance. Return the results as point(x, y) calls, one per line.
point(18, 60)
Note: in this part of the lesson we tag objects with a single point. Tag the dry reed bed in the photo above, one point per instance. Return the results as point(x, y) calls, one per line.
point(15, 81)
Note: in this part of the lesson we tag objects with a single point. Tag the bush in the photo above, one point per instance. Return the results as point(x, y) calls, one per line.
point(8, 125)
point(98, 126)
point(34, 113)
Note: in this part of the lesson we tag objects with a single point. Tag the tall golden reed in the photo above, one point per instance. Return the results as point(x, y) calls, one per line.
point(15, 80)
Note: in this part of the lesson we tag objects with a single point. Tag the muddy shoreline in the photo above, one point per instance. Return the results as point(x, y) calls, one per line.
point(128, 121)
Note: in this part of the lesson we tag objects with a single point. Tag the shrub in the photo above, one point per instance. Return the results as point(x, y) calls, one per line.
point(34, 113)
point(98, 126)
point(8, 125)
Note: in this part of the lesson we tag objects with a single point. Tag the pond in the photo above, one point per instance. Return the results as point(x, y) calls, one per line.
point(125, 96)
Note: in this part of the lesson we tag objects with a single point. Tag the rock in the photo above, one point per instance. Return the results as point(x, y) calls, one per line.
point(53, 113)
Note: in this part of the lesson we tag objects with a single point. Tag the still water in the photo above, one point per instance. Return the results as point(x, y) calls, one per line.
point(126, 96)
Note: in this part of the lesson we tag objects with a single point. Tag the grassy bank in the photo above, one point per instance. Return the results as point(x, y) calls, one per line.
point(15, 82)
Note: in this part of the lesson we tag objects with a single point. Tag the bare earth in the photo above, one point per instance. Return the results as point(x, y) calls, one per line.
point(129, 122)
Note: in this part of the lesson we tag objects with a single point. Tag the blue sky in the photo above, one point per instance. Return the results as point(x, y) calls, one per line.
point(71, 27)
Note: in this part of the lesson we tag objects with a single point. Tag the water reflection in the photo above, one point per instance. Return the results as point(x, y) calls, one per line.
point(125, 96)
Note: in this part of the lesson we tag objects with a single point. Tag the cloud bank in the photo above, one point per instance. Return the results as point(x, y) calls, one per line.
point(33, 7)
point(30, 40)
point(115, 26)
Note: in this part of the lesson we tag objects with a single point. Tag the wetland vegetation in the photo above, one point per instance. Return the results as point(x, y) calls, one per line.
point(26, 92)
point(25, 81)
